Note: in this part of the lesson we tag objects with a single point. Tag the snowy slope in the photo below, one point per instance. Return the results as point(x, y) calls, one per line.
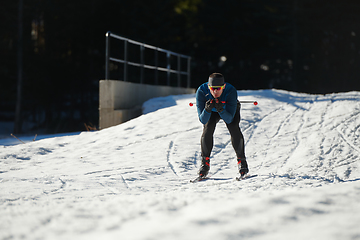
point(131, 181)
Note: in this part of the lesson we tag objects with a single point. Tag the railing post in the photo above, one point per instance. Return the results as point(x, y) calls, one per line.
point(179, 70)
point(125, 60)
point(156, 69)
point(107, 53)
point(188, 72)
point(142, 63)
point(168, 66)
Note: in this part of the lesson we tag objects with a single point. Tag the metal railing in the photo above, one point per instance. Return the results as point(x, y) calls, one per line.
point(142, 64)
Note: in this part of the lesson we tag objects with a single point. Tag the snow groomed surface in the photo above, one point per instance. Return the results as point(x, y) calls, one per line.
point(131, 181)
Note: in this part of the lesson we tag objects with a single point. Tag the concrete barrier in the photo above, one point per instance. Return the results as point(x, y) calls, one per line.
point(121, 101)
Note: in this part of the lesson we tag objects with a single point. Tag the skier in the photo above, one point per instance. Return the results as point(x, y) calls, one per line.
point(216, 99)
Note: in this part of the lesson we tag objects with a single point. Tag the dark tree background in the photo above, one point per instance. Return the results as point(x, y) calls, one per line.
point(299, 45)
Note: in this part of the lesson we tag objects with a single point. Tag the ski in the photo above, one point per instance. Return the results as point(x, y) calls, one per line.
point(246, 176)
point(240, 178)
point(198, 179)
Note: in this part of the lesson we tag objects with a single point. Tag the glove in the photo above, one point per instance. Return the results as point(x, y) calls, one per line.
point(209, 105)
point(219, 106)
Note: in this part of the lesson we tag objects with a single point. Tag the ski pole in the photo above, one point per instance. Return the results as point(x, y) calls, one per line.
point(16, 138)
point(253, 102)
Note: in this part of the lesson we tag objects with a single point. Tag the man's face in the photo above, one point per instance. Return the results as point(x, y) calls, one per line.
point(216, 91)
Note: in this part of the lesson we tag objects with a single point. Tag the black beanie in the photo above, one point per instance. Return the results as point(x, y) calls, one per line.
point(216, 79)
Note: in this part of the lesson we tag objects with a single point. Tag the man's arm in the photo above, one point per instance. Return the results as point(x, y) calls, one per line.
point(231, 103)
point(204, 116)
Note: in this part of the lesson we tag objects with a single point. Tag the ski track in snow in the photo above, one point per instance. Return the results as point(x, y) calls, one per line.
point(131, 181)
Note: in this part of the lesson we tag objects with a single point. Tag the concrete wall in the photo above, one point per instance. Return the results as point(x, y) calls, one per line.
point(121, 101)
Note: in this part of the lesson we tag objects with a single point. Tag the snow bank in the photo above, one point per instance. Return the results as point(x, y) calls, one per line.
point(131, 181)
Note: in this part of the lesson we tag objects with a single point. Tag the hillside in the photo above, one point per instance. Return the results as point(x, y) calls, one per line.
point(131, 181)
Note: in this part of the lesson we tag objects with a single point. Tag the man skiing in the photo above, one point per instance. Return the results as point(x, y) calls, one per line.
point(217, 100)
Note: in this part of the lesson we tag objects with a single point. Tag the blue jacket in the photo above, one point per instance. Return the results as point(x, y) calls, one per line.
point(229, 96)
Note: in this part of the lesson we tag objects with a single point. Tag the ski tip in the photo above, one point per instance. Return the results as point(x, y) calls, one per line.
point(246, 176)
point(242, 177)
point(198, 179)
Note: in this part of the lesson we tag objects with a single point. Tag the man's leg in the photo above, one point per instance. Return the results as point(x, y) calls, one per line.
point(237, 140)
point(207, 138)
point(207, 142)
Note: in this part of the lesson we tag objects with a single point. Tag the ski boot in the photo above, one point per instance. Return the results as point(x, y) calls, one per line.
point(205, 167)
point(243, 167)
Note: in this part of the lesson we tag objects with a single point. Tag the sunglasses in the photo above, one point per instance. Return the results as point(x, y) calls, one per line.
point(213, 88)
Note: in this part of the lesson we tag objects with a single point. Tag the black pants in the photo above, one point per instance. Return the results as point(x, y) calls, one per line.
point(237, 138)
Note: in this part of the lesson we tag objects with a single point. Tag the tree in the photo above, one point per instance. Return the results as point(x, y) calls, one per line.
point(18, 117)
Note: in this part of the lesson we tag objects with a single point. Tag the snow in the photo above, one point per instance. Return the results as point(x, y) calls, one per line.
point(131, 181)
